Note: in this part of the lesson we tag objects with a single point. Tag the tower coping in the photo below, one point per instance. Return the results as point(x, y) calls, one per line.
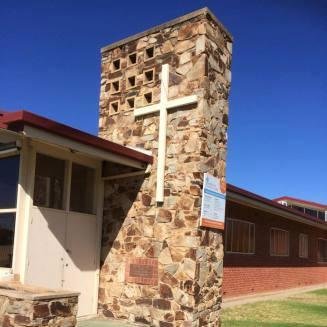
point(170, 23)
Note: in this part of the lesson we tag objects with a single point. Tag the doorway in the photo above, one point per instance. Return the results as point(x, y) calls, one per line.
point(63, 241)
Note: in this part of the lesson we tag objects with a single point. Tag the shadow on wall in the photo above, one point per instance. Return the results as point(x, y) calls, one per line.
point(119, 228)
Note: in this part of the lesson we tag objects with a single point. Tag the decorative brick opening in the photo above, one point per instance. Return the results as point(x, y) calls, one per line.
point(149, 53)
point(131, 82)
point(132, 58)
point(115, 87)
point(142, 271)
point(114, 107)
point(147, 99)
point(130, 103)
point(116, 64)
point(148, 76)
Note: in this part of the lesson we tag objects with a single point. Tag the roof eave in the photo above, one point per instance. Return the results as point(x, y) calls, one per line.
point(19, 119)
point(242, 196)
point(301, 201)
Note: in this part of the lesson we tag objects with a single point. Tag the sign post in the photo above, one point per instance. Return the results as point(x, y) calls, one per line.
point(213, 202)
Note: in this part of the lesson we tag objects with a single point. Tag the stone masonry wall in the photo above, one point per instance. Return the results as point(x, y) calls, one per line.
point(179, 264)
point(17, 312)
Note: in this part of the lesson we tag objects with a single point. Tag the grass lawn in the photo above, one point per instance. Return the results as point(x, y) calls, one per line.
point(306, 309)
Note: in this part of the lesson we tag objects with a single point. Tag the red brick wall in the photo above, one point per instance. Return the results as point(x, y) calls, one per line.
point(260, 272)
point(251, 280)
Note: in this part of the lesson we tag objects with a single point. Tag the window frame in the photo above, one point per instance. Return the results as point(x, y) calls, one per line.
point(65, 185)
point(325, 240)
point(94, 189)
point(288, 243)
point(254, 239)
point(69, 161)
point(13, 211)
point(307, 246)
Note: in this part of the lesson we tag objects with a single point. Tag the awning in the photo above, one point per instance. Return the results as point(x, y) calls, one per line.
point(26, 124)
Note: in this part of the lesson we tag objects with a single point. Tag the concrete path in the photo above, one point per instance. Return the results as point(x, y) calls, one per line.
point(97, 322)
point(232, 302)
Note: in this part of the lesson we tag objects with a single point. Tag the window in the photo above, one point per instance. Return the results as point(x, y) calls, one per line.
point(82, 189)
point(240, 236)
point(303, 246)
point(49, 182)
point(9, 172)
point(322, 250)
point(279, 242)
point(51, 189)
point(311, 212)
point(321, 215)
point(7, 232)
point(301, 209)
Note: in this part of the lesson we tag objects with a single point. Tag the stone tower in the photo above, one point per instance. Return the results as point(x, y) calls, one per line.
point(159, 266)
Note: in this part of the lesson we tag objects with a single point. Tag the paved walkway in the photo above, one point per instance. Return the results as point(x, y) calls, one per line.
point(97, 322)
point(232, 302)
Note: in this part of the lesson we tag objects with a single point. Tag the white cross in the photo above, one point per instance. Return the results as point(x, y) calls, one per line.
point(162, 107)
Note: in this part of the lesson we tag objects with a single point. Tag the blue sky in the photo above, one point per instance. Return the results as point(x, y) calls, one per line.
point(50, 64)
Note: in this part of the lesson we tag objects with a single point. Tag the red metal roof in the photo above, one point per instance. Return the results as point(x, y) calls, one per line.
point(272, 203)
point(1, 124)
point(16, 121)
point(305, 202)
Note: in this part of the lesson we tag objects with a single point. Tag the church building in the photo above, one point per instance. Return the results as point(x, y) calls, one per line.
point(117, 218)
point(130, 224)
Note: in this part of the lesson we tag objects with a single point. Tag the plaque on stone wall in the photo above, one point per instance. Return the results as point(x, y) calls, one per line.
point(142, 271)
point(213, 202)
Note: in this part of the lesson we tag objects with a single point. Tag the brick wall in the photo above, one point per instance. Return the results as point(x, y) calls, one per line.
point(251, 280)
point(260, 272)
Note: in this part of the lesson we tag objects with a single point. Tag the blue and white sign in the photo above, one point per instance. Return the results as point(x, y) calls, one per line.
point(213, 202)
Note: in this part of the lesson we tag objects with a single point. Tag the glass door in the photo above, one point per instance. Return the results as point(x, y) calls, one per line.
point(9, 171)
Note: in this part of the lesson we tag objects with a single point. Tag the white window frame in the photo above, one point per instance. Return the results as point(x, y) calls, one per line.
point(67, 158)
point(243, 221)
point(307, 245)
point(288, 243)
point(323, 239)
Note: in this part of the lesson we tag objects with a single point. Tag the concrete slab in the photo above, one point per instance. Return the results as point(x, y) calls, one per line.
point(104, 323)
